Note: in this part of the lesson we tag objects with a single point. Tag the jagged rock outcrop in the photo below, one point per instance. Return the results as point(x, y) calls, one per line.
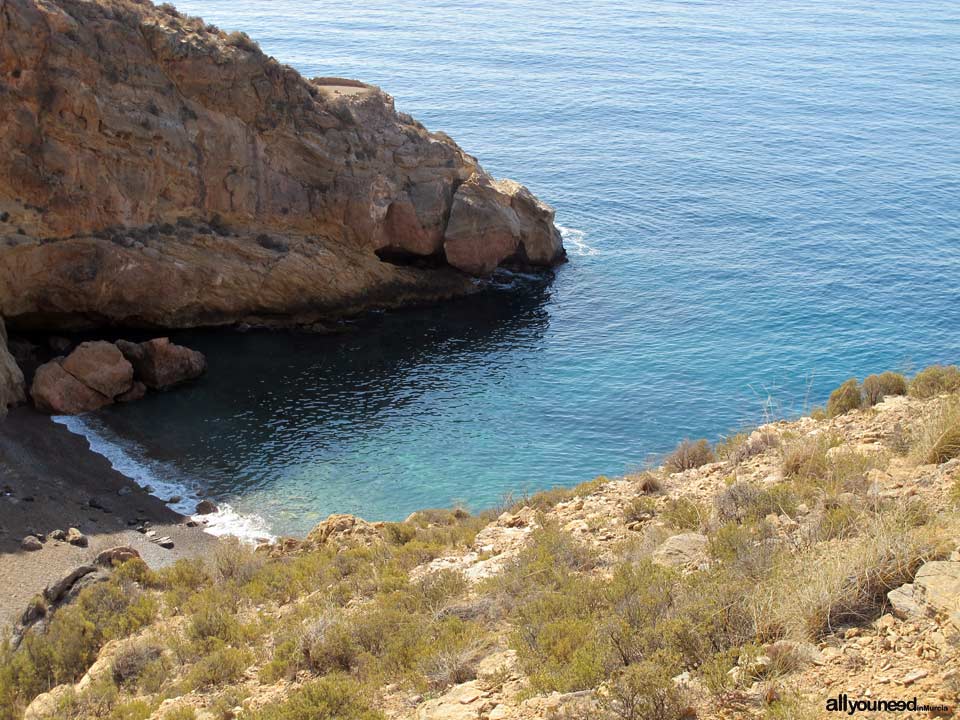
point(11, 378)
point(156, 171)
point(100, 373)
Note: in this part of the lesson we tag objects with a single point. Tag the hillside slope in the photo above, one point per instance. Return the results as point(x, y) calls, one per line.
point(762, 577)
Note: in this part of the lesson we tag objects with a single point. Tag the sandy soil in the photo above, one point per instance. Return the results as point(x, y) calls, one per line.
point(48, 478)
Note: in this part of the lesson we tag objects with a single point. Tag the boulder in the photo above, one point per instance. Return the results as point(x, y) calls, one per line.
point(45, 705)
point(343, 528)
point(11, 378)
point(684, 550)
point(57, 591)
point(75, 537)
point(903, 603)
point(31, 544)
point(206, 507)
point(115, 556)
point(937, 586)
point(100, 366)
point(136, 392)
point(160, 364)
point(493, 222)
point(57, 392)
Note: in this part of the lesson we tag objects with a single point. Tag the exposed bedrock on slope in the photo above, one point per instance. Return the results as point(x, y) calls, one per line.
point(156, 171)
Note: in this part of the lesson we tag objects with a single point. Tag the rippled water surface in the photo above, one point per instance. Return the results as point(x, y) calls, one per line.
point(760, 198)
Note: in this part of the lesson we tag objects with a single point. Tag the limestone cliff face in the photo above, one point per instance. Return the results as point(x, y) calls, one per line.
point(154, 170)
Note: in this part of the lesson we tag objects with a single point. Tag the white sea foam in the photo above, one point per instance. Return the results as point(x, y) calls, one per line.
point(165, 481)
point(574, 241)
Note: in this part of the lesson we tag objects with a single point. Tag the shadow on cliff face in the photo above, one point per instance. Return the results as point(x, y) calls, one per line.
point(272, 401)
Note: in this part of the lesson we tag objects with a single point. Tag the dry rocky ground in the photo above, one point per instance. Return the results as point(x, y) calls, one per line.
point(807, 559)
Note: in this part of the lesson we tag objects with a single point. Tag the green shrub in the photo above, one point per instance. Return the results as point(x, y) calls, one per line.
point(838, 521)
point(845, 398)
point(557, 641)
point(183, 712)
point(684, 514)
point(877, 387)
point(689, 454)
point(335, 697)
point(221, 666)
point(213, 617)
point(330, 645)
point(935, 380)
point(745, 549)
point(102, 612)
point(646, 691)
point(806, 458)
point(237, 561)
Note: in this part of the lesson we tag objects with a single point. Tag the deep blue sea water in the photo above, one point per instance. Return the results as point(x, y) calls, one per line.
point(761, 199)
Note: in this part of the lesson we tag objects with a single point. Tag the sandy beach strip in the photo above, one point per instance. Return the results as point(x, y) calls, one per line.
point(50, 479)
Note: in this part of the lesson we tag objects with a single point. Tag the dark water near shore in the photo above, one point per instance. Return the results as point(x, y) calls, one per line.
point(761, 199)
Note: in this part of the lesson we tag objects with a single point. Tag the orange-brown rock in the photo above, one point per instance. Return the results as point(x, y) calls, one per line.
point(156, 171)
point(56, 391)
point(160, 364)
point(100, 366)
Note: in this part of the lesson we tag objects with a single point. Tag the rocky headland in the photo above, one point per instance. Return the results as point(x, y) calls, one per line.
point(157, 172)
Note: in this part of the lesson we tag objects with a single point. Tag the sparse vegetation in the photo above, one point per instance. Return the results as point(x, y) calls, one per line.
point(243, 42)
point(800, 546)
point(845, 398)
point(935, 380)
point(937, 438)
point(886, 384)
point(688, 455)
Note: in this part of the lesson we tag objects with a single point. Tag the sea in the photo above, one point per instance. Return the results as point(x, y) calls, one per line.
point(759, 199)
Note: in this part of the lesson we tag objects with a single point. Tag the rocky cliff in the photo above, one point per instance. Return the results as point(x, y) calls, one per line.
point(156, 171)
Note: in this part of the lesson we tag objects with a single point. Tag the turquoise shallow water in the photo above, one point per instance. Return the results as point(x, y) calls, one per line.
point(761, 199)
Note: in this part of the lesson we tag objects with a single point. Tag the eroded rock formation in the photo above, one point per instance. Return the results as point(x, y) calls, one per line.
point(156, 171)
point(100, 373)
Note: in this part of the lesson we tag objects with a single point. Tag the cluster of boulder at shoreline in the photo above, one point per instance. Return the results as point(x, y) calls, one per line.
point(100, 373)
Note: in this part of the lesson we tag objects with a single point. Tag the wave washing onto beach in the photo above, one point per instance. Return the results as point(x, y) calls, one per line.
point(165, 482)
point(573, 241)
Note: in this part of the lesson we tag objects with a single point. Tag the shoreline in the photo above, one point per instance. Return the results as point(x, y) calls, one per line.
point(48, 478)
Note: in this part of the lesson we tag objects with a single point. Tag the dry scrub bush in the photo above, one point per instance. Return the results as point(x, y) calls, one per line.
point(886, 384)
point(743, 446)
point(815, 592)
point(684, 514)
point(242, 41)
point(335, 697)
point(237, 561)
point(132, 660)
point(935, 380)
point(844, 399)
point(937, 437)
point(688, 455)
point(744, 502)
point(648, 481)
point(645, 691)
point(640, 509)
